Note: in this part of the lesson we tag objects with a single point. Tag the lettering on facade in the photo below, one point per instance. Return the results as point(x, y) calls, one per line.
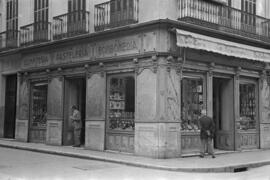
point(72, 53)
point(117, 46)
point(84, 52)
point(40, 60)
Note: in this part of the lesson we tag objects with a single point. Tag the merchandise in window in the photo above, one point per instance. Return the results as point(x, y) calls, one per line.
point(121, 103)
point(39, 105)
point(192, 103)
point(247, 107)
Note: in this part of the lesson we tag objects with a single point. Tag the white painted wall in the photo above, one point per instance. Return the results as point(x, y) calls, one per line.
point(148, 10)
point(57, 7)
point(25, 12)
point(3, 15)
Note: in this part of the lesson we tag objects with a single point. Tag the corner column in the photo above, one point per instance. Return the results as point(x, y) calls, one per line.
point(95, 111)
point(157, 116)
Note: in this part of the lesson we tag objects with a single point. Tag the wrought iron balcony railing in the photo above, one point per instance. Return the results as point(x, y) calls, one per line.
point(224, 18)
point(35, 33)
point(9, 39)
point(71, 24)
point(115, 13)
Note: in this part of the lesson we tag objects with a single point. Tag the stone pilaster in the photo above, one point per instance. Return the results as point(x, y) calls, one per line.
point(95, 111)
point(22, 120)
point(55, 110)
point(264, 110)
point(157, 123)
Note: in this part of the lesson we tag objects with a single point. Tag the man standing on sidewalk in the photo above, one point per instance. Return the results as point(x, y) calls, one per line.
point(77, 125)
point(207, 127)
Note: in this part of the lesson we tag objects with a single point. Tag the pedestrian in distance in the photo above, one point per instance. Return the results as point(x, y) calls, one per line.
point(77, 125)
point(207, 128)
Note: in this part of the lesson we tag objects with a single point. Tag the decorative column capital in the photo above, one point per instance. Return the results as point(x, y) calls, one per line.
point(211, 68)
point(155, 63)
point(136, 66)
point(102, 69)
point(237, 72)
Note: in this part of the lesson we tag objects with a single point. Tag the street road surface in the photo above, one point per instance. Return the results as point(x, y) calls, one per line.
point(26, 165)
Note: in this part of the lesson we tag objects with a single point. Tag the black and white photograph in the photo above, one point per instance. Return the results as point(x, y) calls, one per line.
point(134, 89)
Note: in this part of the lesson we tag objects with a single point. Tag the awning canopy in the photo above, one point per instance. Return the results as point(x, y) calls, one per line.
point(225, 2)
point(207, 43)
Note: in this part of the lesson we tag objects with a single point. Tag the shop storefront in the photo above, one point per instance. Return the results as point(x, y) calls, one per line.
point(138, 96)
point(230, 93)
point(38, 111)
point(120, 112)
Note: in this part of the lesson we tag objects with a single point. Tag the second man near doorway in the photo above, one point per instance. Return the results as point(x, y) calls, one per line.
point(77, 125)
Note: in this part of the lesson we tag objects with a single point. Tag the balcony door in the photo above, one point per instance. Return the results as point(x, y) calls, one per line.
point(12, 23)
point(248, 17)
point(76, 19)
point(41, 10)
point(122, 12)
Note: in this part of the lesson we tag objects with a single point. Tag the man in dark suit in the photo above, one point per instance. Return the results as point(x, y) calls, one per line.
point(207, 127)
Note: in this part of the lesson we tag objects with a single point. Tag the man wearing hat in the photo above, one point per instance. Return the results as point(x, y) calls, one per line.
point(77, 125)
point(207, 127)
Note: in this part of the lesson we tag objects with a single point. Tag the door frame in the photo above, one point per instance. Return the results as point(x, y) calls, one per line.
point(231, 132)
point(15, 108)
point(72, 77)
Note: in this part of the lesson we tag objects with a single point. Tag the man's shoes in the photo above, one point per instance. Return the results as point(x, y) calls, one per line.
point(213, 156)
point(201, 156)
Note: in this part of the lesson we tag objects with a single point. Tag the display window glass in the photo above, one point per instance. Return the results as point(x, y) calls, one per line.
point(192, 97)
point(247, 107)
point(39, 104)
point(121, 103)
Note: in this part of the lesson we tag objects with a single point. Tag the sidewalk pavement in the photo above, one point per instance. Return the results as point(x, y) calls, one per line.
point(224, 162)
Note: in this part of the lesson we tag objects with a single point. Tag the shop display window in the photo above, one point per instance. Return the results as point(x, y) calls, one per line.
point(192, 103)
point(247, 107)
point(39, 104)
point(121, 103)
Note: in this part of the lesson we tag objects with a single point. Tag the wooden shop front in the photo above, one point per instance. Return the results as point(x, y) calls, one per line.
point(228, 85)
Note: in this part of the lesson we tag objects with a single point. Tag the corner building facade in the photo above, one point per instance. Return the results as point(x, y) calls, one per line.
point(140, 79)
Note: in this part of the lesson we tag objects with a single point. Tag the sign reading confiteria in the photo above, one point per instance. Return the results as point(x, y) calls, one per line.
point(83, 52)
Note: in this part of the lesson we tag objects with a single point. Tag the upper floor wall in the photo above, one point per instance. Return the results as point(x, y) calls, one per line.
point(67, 18)
point(147, 10)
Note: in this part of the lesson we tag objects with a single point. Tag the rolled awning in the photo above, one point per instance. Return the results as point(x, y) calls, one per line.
point(207, 43)
point(225, 2)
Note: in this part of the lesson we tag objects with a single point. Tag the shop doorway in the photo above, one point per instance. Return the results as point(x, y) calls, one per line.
point(75, 94)
point(223, 113)
point(10, 106)
point(120, 113)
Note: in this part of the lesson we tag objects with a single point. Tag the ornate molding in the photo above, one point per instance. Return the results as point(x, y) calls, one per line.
point(211, 69)
point(155, 63)
point(102, 69)
point(169, 63)
point(237, 73)
point(136, 66)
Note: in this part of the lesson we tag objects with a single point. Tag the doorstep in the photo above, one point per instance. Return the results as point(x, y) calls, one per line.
point(224, 162)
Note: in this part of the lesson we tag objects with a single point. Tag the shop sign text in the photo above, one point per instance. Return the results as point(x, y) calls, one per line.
point(84, 52)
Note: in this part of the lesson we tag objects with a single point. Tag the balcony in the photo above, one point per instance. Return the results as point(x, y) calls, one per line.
point(37, 32)
point(70, 24)
point(9, 39)
point(224, 18)
point(115, 13)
